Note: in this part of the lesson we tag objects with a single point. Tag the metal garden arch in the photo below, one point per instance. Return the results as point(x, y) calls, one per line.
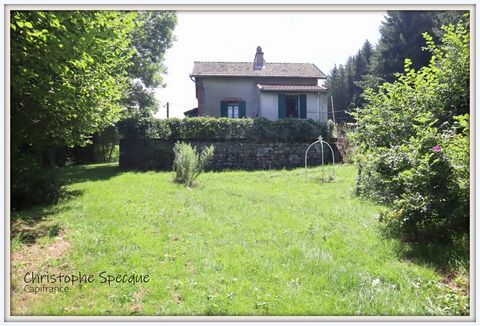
point(321, 141)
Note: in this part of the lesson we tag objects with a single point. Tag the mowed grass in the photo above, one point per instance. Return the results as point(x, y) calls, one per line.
point(239, 243)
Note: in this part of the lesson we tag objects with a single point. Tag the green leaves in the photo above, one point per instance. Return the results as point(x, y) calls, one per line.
point(414, 146)
point(66, 79)
point(209, 128)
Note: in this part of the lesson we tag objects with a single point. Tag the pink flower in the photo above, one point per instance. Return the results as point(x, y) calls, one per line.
point(436, 148)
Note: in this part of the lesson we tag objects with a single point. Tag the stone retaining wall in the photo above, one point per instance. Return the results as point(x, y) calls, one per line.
point(148, 154)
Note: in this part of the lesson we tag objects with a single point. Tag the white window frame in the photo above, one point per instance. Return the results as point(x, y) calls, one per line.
point(233, 110)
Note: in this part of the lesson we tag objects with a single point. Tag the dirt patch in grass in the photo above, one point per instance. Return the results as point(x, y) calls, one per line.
point(33, 258)
point(137, 306)
point(177, 298)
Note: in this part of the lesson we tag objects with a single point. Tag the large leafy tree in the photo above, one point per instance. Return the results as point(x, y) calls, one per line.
point(150, 39)
point(69, 72)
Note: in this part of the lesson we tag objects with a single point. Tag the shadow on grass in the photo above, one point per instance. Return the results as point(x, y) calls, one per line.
point(446, 258)
point(83, 173)
point(32, 223)
point(28, 225)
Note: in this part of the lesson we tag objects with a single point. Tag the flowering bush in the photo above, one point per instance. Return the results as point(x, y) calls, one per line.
point(413, 144)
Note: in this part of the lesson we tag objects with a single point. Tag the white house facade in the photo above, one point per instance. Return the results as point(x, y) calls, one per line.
point(260, 89)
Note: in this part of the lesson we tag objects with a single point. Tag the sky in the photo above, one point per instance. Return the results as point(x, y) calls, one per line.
point(319, 37)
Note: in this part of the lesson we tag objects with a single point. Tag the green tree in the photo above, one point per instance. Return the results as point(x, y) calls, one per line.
point(402, 38)
point(343, 86)
point(413, 141)
point(69, 70)
point(362, 62)
point(151, 38)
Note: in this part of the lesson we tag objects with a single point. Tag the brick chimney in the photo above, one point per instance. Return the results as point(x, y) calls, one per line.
point(259, 61)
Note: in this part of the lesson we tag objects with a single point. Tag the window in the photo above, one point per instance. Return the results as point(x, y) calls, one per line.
point(291, 105)
point(233, 110)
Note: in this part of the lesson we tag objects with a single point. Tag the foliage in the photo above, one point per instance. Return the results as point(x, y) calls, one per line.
point(69, 72)
point(341, 83)
point(203, 128)
point(401, 38)
point(344, 141)
point(32, 185)
point(188, 164)
point(74, 75)
point(106, 145)
point(151, 38)
point(69, 69)
point(412, 152)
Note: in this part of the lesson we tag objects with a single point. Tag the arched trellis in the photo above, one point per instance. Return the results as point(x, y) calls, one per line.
point(321, 141)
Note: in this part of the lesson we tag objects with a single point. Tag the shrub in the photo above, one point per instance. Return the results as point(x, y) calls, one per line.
point(221, 129)
point(33, 185)
point(413, 153)
point(188, 164)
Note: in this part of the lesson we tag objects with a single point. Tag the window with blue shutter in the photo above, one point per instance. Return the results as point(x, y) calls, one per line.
point(223, 109)
point(233, 109)
point(282, 110)
point(242, 110)
point(303, 106)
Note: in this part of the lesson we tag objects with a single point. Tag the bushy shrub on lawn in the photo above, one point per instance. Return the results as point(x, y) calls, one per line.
point(33, 185)
point(220, 129)
point(413, 144)
point(188, 164)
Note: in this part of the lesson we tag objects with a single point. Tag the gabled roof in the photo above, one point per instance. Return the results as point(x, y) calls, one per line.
point(290, 88)
point(245, 69)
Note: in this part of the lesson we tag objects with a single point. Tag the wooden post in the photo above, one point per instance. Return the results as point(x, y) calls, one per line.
point(333, 109)
point(168, 110)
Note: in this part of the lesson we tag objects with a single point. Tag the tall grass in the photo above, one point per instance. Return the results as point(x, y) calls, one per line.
point(188, 164)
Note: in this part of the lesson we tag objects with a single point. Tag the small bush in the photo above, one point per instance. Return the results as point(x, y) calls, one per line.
point(32, 185)
point(188, 164)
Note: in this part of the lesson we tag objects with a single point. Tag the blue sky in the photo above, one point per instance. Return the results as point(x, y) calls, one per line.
point(324, 38)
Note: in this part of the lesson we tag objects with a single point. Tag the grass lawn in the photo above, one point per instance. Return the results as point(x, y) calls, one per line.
point(239, 243)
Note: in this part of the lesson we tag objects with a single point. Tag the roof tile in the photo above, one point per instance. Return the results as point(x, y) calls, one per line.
point(290, 88)
point(245, 69)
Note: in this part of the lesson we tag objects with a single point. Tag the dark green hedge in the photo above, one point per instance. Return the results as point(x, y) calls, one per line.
point(218, 129)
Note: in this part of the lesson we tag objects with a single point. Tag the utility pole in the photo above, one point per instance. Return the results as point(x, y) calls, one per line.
point(333, 109)
point(168, 110)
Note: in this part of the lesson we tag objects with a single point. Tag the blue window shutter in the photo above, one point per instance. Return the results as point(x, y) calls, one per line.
point(303, 106)
point(242, 111)
point(282, 110)
point(223, 109)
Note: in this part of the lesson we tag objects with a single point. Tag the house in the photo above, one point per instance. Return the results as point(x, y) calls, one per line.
point(260, 89)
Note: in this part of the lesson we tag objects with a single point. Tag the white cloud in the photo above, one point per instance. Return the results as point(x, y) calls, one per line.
point(324, 38)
